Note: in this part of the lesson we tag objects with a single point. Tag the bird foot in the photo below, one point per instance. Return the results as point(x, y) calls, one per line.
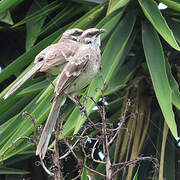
point(80, 105)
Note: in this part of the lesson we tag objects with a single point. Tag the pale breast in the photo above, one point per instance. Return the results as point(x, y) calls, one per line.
point(88, 74)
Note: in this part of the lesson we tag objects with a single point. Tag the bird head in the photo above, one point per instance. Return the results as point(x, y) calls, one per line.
point(72, 34)
point(91, 37)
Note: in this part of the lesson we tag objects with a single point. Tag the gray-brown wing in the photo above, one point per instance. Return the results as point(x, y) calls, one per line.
point(71, 71)
point(57, 54)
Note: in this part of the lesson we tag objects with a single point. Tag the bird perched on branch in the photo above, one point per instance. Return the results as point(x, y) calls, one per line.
point(53, 58)
point(76, 75)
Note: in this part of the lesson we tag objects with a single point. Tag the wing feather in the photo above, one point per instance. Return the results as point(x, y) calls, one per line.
point(71, 71)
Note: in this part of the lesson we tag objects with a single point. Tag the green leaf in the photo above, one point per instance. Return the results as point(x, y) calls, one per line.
point(6, 17)
point(117, 4)
point(37, 87)
point(43, 12)
point(136, 175)
point(172, 4)
point(122, 74)
point(61, 18)
point(5, 170)
point(6, 4)
point(174, 86)
point(33, 27)
point(91, 18)
point(109, 22)
point(14, 106)
point(20, 128)
point(175, 26)
point(154, 15)
point(84, 174)
point(28, 57)
point(19, 158)
point(156, 64)
point(110, 59)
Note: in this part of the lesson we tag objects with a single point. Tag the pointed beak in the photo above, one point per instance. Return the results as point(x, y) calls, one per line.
point(101, 31)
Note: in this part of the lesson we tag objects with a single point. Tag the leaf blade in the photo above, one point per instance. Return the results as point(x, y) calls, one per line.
point(154, 15)
point(156, 65)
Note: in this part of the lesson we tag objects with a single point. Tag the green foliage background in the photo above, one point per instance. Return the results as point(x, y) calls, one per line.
point(140, 62)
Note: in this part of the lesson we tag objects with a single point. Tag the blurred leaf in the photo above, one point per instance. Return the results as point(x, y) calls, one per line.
point(155, 17)
point(6, 4)
point(14, 106)
point(21, 128)
point(172, 4)
point(28, 57)
point(120, 77)
point(6, 17)
point(156, 64)
point(136, 175)
point(88, 2)
point(5, 170)
point(43, 12)
point(64, 15)
point(34, 88)
point(18, 158)
point(116, 4)
point(175, 26)
point(33, 27)
point(84, 175)
point(122, 74)
point(91, 18)
point(12, 124)
point(174, 87)
point(109, 22)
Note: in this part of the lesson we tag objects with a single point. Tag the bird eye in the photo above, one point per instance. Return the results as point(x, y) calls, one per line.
point(74, 38)
point(89, 42)
point(41, 59)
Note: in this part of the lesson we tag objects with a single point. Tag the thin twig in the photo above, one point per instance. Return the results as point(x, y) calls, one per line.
point(92, 154)
point(26, 114)
point(94, 171)
point(74, 145)
point(57, 174)
point(137, 160)
point(45, 168)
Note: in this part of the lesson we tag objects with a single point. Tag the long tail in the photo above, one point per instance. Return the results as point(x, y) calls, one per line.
point(23, 79)
point(50, 123)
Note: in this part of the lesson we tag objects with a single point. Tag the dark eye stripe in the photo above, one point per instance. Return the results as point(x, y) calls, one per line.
point(40, 59)
point(77, 33)
point(90, 34)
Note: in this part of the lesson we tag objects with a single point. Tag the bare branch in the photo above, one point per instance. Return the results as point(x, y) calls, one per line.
point(92, 154)
point(45, 168)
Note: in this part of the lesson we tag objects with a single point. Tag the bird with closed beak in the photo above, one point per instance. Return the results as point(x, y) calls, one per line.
point(76, 75)
point(53, 58)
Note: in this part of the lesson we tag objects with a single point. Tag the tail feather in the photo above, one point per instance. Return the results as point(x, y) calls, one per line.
point(23, 79)
point(50, 124)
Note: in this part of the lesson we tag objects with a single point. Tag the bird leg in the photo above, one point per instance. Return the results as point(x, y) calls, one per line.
point(80, 105)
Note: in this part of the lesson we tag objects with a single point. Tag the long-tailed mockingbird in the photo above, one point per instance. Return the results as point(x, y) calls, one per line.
point(76, 75)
